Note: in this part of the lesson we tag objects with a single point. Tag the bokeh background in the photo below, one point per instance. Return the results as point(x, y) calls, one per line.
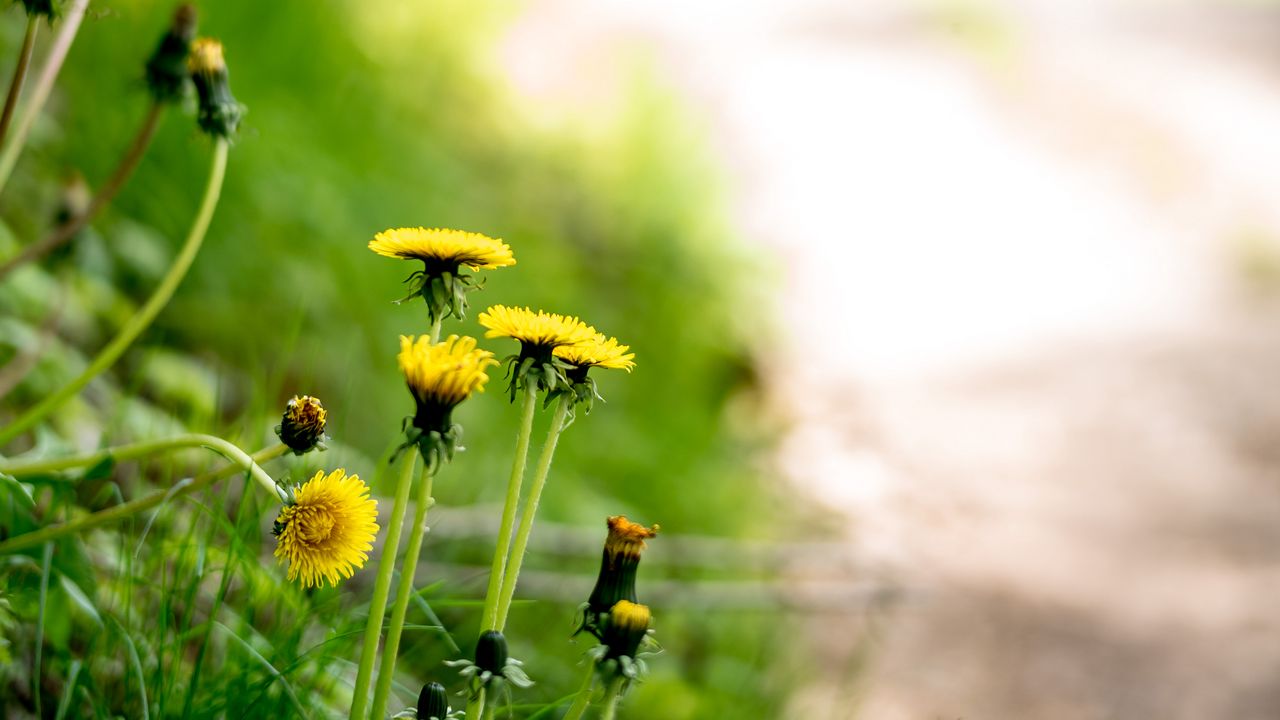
point(955, 322)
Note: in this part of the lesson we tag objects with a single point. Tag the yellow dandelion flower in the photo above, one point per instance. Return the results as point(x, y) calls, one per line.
point(541, 330)
point(443, 248)
point(446, 373)
point(599, 351)
point(326, 531)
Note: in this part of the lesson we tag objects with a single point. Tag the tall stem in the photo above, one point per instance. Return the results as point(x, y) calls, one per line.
point(489, 620)
point(391, 647)
point(381, 588)
point(583, 699)
point(19, 75)
point(613, 695)
point(240, 461)
point(106, 193)
point(531, 509)
point(44, 85)
point(139, 322)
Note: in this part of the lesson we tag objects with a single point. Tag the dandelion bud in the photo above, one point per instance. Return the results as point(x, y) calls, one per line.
point(302, 427)
point(626, 628)
point(491, 652)
point(167, 71)
point(39, 7)
point(433, 702)
point(618, 565)
point(217, 111)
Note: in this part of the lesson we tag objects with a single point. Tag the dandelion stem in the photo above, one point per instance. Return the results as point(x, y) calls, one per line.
point(19, 74)
point(240, 462)
point(475, 706)
point(583, 699)
point(44, 85)
point(498, 570)
point(67, 230)
point(382, 588)
point(391, 646)
point(531, 509)
point(613, 695)
point(435, 327)
point(139, 322)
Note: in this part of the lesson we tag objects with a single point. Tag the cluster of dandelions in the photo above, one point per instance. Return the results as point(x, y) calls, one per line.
point(325, 528)
point(552, 363)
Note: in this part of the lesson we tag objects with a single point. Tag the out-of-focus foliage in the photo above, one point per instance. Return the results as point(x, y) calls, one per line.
point(362, 116)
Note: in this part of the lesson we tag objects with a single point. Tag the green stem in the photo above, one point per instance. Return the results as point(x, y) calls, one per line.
point(531, 509)
point(382, 588)
point(475, 706)
point(497, 570)
point(614, 694)
point(435, 329)
point(240, 461)
point(490, 710)
point(139, 322)
point(583, 699)
point(44, 85)
point(391, 646)
point(19, 74)
point(105, 194)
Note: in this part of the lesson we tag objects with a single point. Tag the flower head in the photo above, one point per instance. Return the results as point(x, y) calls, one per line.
point(619, 563)
point(625, 632)
point(535, 367)
point(443, 253)
point(301, 428)
point(167, 71)
point(440, 376)
point(326, 529)
point(599, 351)
point(217, 111)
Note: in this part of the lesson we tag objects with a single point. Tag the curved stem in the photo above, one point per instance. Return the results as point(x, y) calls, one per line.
point(497, 571)
point(390, 647)
point(19, 75)
point(142, 319)
point(381, 588)
point(583, 699)
point(67, 230)
point(240, 461)
point(613, 695)
point(44, 85)
point(531, 509)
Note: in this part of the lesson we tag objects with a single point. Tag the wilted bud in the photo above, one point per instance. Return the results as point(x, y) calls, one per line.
point(217, 111)
point(302, 427)
point(625, 629)
point(491, 652)
point(618, 565)
point(433, 702)
point(167, 71)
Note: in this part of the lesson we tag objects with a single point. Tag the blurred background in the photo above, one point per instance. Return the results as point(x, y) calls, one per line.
point(955, 322)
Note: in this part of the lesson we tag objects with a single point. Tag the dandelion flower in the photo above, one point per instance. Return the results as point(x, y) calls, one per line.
point(440, 376)
point(443, 253)
point(326, 529)
point(535, 367)
point(599, 351)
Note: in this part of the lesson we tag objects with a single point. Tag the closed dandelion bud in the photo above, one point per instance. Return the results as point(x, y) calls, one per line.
point(618, 565)
point(40, 7)
point(625, 629)
point(167, 71)
point(217, 111)
point(433, 702)
point(491, 652)
point(302, 427)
